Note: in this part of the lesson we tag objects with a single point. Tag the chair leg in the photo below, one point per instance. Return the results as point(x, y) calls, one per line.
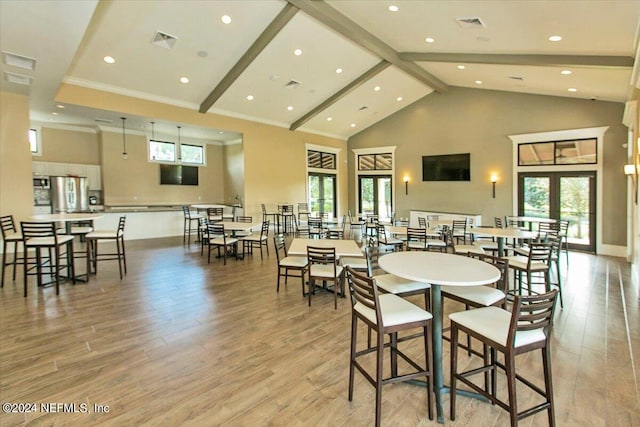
point(429, 361)
point(119, 257)
point(352, 356)
point(124, 256)
point(25, 268)
point(509, 363)
point(454, 370)
point(379, 355)
point(4, 262)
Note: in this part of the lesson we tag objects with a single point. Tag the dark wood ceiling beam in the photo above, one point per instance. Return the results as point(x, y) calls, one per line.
point(285, 15)
point(333, 19)
point(340, 94)
point(624, 62)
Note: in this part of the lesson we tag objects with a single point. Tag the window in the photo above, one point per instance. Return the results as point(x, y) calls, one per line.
point(581, 151)
point(321, 160)
point(370, 162)
point(160, 151)
point(192, 154)
point(33, 141)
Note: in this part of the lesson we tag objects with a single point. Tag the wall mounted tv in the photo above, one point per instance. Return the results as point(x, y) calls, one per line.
point(447, 167)
point(178, 175)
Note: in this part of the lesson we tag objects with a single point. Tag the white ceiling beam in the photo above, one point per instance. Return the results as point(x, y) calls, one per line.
point(369, 74)
point(333, 19)
point(625, 62)
point(278, 23)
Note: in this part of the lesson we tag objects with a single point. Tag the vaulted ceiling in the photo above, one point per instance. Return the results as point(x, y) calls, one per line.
point(328, 67)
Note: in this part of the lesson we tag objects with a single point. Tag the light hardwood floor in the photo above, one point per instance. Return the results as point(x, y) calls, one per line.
point(180, 342)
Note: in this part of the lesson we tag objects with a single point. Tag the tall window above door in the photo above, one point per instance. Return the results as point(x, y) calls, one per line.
point(573, 152)
point(375, 162)
point(321, 160)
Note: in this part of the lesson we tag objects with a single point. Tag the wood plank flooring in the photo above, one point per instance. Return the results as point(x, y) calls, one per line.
point(181, 342)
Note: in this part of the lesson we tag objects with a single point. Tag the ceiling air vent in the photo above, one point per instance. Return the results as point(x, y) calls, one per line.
point(18, 78)
point(470, 22)
point(516, 78)
point(99, 120)
point(19, 61)
point(292, 84)
point(364, 107)
point(164, 40)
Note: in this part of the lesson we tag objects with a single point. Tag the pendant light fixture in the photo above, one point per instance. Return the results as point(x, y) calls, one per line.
point(124, 140)
point(153, 136)
point(179, 147)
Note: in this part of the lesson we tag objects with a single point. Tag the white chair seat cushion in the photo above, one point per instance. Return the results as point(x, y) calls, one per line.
point(521, 263)
point(81, 230)
point(436, 243)
point(254, 237)
point(356, 263)
point(397, 285)
point(102, 234)
point(416, 245)
point(484, 295)
point(13, 237)
point(394, 311)
point(465, 249)
point(324, 270)
point(294, 262)
point(493, 323)
point(215, 218)
point(221, 241)
point(48, 241)
point(486, 244)
point(393, 241)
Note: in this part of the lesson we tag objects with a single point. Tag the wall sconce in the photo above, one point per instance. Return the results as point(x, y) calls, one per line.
point(406, 185)
point(630, 169)
point(124, 140)
point(494, 179)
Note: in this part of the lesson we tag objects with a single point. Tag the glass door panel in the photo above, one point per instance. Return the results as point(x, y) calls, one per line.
point(375, 196)
point(575, 206)
point(322, 194)
point(536, 196)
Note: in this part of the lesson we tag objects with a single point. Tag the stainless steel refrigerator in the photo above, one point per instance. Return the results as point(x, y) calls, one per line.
point(69, 194)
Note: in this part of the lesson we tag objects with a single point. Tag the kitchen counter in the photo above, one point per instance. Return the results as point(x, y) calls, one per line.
point(143, 208)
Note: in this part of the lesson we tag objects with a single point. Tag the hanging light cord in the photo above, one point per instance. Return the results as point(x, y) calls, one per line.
point(153, 137)
point(124, 137)
point(179, 147)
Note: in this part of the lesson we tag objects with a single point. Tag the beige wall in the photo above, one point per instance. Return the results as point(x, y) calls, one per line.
point(479, 121)
point(16, 186)
point(135, 181)
point(234, 174)
point(68, 146)
point(274, 157)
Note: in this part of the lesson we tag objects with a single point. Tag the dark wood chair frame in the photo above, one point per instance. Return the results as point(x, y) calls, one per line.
point(10, 234)
point(93, 255)
point(284, 270)
point(325, 256)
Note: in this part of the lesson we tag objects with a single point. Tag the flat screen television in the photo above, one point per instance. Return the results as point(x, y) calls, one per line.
point(178, 175)
point(447, 167)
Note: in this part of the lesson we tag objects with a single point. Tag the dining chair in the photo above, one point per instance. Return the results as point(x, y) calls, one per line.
point(416, 239)
point(387, 314)
point(525, 329)
point(43, 235)
point(288, 264)
point(355, 223)
point(189, 219)
point(256, 240)
point(564, 234)
point(459, 227)
point(245, 220)
point(93, 254)
point(287, 215)
point(215, 214)
point(323, 266)
point(10, 234)
point(317, 229)
point(384, 240)
point(303, 210)
point(534, 267)
point(216, 237)
point(460, 249)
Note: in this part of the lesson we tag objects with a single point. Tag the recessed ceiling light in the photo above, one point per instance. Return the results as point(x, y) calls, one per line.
point(353, 125)
point(429, 39)
point(399, 99)
point(184, 80)
point(109, 59)
point(478, 82)
point(60, 106)
point(461, 67)
point(377, 88)
point(572, 89)
point(250, 97)
point(566, 72)
point(297, 52)
point(203, 53)
point(338, 70)
point(290, 108)
point(555, 38)
point(220, 132)
point(393, 8)
point(226, 19)
point(329, 119)
point(54, 113)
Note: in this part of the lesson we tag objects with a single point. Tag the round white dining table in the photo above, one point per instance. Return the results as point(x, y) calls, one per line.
point(439, 269)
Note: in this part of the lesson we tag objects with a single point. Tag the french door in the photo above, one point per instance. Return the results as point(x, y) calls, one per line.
point(374, 195)
point(563, 196)
point(322, 193)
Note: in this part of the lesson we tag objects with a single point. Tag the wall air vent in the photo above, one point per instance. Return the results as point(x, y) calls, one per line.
point(19, 61)
point(292, 84)
point(470, 22)
point(18, 78)
point(164, 40)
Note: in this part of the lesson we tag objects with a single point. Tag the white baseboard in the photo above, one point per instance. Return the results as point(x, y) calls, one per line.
point(613, 250)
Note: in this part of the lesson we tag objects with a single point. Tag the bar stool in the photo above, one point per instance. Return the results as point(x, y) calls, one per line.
point(9, 235)
point(93, 256)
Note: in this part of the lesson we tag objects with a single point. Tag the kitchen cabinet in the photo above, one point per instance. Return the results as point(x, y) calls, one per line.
point(93, 172)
